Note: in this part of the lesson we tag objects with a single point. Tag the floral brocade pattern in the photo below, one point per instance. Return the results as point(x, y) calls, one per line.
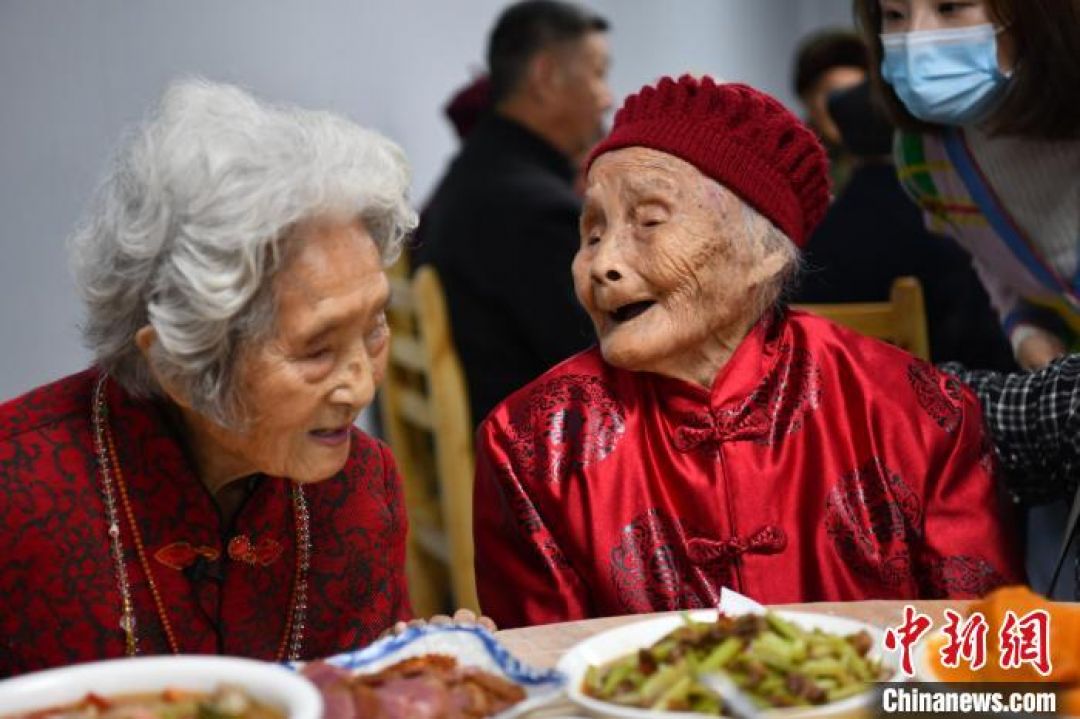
point(875, 520)
point(939, 394)
point(872, 516)
point(567, 423)
point(777, 407)
point(59, 600)
point(960, 576)
point(648, 571)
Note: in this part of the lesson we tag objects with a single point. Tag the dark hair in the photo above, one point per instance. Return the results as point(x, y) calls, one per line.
point(865, 131)
point(525, 29)
point(821, 52)
point(1042, 100)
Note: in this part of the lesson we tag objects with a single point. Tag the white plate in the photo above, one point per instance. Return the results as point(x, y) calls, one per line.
point(621, 641)
point(472, 646)
point(272, 684)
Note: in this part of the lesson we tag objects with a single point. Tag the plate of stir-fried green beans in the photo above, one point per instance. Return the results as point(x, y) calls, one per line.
point(788, 663)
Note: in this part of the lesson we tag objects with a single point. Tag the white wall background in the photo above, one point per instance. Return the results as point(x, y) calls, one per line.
point(75, 73)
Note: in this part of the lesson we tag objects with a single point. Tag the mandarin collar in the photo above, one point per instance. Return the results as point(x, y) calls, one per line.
point(742, 402)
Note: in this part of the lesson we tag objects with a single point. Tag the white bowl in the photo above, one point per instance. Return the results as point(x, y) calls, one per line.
point(268, 683)
point(626, 639)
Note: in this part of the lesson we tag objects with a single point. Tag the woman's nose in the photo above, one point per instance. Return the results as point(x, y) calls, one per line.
point(607, 261)
point(356, 387)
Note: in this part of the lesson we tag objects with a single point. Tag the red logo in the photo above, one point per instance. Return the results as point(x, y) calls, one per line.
point(904, 637)
point(967, 640)
point(1026, 640)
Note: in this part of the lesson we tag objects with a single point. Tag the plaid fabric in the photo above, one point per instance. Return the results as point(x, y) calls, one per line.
point(1034, 423)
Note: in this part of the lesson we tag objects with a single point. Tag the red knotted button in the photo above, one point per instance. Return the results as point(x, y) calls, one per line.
point(769, 539)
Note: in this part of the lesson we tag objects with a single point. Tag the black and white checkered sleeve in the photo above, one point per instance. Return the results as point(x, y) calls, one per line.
point(1034, 422)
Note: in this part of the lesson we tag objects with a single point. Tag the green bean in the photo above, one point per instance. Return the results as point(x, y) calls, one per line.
point(676, 691)
point(783, 627)
point(615, 676)
point(777, 662)
point(829, 667)
point(661, 679)
point(720, 656)
point(845, 691)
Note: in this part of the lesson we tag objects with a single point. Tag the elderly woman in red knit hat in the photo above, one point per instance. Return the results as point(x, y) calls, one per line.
point(714, 438)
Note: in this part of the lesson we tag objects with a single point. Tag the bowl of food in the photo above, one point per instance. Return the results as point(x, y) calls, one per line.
point(207, 687)
point(789, 664)
point(432, 671)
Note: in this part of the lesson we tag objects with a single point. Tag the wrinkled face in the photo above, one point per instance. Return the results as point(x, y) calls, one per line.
point(303, 387)
point(911, 15)
point(667, 265)
point(585, 97)
point(816, 100)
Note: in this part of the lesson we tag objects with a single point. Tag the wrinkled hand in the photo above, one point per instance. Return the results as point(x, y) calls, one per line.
point(1039, 349)
point(461, 616)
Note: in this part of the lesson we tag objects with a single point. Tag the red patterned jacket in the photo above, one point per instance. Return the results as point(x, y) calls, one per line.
point(59, 596)
point(821, 465)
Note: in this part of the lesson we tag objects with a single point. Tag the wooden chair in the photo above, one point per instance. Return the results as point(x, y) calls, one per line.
point(901, 320)
point(425, 413)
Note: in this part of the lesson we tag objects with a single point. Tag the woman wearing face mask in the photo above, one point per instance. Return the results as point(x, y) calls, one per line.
point(986, 93)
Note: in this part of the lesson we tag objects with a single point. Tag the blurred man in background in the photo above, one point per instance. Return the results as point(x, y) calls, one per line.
point(826, 62)
point(502, 225)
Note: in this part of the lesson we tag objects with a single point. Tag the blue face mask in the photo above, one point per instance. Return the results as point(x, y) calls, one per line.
point(947, 77)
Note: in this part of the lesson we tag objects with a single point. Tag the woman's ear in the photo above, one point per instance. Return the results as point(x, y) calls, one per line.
point(145, 338)
point(768, 267)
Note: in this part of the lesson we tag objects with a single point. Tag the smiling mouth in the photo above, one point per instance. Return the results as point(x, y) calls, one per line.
point(330, 436)
point(630, 311)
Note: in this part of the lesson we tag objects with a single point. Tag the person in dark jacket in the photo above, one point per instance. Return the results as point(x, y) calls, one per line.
point(502, 225)
point(873, 233)
point(828, 61)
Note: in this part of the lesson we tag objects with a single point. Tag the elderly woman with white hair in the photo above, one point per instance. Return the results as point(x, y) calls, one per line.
point(714, 438)
point(202, 488)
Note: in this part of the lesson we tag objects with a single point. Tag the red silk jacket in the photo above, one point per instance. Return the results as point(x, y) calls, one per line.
point(59, 596)
point(821, 465)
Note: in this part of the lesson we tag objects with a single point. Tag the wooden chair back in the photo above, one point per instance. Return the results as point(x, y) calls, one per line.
point(425, 412)
point(900, 321)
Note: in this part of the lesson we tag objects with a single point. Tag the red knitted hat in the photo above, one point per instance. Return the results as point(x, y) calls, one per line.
point(740, 137)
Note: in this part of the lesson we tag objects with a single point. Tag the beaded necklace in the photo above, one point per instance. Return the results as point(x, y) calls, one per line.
point(113, 486)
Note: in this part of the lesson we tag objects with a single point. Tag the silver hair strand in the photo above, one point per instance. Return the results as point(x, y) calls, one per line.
point(191, 223)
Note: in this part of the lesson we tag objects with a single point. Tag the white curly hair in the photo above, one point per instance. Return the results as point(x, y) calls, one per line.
point(193, 220)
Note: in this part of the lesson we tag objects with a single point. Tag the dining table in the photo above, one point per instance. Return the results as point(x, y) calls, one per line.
point(543, 645)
